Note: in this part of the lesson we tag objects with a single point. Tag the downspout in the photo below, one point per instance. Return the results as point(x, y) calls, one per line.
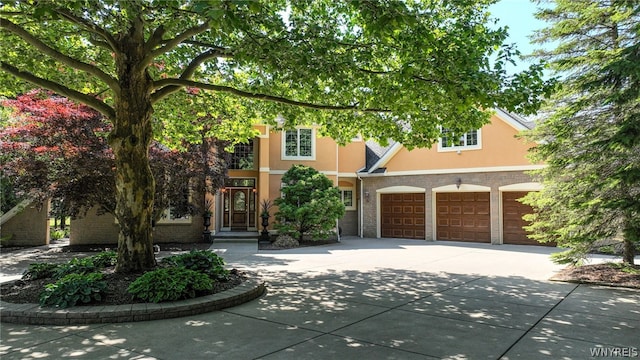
point(361, 208)
point(338, 185)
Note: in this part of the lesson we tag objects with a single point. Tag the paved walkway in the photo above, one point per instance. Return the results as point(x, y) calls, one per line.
point(373, 299)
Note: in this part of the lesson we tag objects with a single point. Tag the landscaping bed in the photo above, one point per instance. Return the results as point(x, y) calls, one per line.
point(610, 274)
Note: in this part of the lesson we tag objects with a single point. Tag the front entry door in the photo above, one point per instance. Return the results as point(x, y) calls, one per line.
point(239, 209)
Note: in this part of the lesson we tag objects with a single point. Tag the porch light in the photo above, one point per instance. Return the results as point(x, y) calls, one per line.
point(458, 183)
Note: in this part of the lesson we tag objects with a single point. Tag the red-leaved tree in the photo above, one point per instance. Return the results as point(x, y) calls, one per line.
point(56, 148)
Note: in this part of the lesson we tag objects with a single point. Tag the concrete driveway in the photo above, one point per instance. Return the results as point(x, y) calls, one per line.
point(374, 299)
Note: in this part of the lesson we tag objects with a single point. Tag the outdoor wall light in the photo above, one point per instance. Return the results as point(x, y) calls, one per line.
point(366, 196)
point(458, 183)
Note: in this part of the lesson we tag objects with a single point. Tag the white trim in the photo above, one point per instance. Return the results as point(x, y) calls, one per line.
point(529, 186)
point(386, 157)
point(401, 189)
point(459, 171)
point(267, 129)
point(461, 188)
point(283, 146)
point(264, 169)
point(510, 120)
point(461, 148)
point(14, 211)
point(352, 188)
point(350, 175)
point(328, 173)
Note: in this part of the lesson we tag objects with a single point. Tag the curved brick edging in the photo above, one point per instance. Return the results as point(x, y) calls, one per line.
point(33, 314)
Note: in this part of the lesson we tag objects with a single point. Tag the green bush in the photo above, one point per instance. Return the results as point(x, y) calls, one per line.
point(75, 266)
point(40, 271)
point(105, 259)
point(57, 234)
point(170, 284)
point(72, 289)
point(202, 261)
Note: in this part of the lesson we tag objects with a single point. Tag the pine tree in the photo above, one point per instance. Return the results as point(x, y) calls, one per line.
point(590, 139)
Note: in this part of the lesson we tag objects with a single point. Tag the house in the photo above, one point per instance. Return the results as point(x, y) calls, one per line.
point(459, 189)
point(463, 190)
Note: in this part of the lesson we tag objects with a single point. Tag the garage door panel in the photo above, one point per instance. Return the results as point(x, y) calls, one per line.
point(463, 217)
point(406, 216)
point(513, 224)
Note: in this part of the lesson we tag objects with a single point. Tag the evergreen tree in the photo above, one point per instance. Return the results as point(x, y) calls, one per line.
point(590, 138)
point(310, 204)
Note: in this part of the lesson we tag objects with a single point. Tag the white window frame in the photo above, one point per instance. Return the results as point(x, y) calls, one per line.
point(298, 157)
point(166, 218)
point(456, 148)
point(352, 207)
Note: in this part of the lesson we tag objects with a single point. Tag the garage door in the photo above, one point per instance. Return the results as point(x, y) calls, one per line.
point(512, 223)
point(463, 217)
point(403, 215)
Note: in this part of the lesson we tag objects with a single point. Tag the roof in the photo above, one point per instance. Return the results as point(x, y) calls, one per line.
point(515, 119)
point(374, 152)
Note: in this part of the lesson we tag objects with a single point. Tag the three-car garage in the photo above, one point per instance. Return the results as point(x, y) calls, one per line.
point(454, 215)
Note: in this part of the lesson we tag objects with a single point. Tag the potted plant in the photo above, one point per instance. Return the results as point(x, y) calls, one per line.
point(265, 205)
point(206, 216)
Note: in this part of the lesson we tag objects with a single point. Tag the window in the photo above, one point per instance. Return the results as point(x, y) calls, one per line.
point(468, 141)
point(347, 198)
point(171, 215)
point(242, 157)
point(298, 144)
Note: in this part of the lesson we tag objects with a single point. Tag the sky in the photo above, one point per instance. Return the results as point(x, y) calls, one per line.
point(518, 16)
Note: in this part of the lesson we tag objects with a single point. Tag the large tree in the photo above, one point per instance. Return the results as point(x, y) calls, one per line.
point(590, 138)
point(54, 148)
point(385, 69)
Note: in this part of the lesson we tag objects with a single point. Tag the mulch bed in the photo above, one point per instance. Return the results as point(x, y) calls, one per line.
point(28, 291)
point(609, 274)
point(303, 243)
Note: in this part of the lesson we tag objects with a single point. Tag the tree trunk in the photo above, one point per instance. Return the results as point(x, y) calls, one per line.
point(631, 237)
point(130, 140)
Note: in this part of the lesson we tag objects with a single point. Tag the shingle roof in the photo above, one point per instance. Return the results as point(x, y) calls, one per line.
point(375, 151)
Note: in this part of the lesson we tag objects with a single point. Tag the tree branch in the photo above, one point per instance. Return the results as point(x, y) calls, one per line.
point(47, 50)
point(186, 74)
point(93, 28)
point(259, 96)
point(89, 100)
point(172, 43)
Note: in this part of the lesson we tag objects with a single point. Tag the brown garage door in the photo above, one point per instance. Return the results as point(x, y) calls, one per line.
point(513, 231)
point(463, 217)
point(402, 215)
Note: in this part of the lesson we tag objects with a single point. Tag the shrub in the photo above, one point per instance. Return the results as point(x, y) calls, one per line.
point(309, 204)
point(74, 288)
point(57, 235)
point(170, 284)
point(286, 242)
point(202, 261)
point(75, 266)
point(105, 259)
point(40, 271)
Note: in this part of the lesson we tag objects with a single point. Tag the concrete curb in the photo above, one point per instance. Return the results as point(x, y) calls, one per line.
point(33, 314)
